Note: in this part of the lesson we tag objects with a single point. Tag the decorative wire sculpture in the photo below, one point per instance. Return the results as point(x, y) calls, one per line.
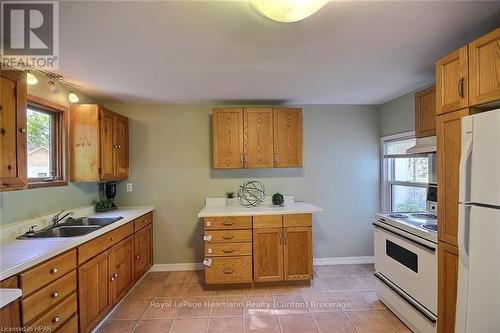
point(251, 193)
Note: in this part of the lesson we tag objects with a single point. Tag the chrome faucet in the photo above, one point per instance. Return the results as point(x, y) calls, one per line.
point(56, 219)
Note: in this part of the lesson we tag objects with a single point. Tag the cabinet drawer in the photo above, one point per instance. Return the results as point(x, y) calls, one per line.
point(56, 317)
point(47, 272)
point(229, 270)
point(297, 220)
point(143, 221)
point(226, 236)
point(40, 301)
point(268, 221)
point(71, 326)
point(228, 249)
point(101, 243)
point(228, 222)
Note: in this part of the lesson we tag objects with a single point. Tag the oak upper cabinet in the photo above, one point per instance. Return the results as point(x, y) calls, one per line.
point(447, 287)
point(268, 254)
point(258, 138)
point(98, 144)
point(227, 138)
point(13, 167)
point(288, 138)
point(143, 251)
point(425, 112)
point(121, 268)
point(484, 69)
point(94, 296)
point(452, 83)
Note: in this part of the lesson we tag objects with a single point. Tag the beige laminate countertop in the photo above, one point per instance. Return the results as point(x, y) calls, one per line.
point(214, 210)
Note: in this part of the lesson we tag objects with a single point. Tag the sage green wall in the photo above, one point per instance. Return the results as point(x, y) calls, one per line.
point(170, 156)
point(398, 115)
point(20, 205)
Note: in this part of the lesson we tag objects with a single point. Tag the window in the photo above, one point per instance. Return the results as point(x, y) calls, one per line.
point(405, 177)
point(46, 143)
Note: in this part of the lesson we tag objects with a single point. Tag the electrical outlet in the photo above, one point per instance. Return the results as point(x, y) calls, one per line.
point(129, 187)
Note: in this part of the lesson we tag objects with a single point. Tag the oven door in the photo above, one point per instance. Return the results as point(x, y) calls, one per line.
point(408, 261)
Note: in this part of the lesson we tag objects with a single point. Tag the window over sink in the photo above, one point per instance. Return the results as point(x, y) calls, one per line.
point(405, 177)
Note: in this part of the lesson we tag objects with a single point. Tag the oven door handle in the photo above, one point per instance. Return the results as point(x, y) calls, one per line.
point(414, 304)
point(428, 247)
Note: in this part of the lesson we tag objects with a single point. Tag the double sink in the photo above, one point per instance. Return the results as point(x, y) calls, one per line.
point(71, 227)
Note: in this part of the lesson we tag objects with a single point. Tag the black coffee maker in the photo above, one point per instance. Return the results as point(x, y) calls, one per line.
point(110, 191)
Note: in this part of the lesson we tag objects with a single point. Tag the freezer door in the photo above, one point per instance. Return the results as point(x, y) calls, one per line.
point(483, 299)
point(485, 159)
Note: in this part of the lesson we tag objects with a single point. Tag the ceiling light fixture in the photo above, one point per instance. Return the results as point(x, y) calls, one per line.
point(73, 98)
point(31, 79)
point(288, 10)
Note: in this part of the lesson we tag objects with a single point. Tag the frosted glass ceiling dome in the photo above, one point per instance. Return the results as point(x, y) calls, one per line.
point(288, 10)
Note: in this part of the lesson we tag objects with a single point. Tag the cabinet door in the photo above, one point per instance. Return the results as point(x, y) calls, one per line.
point(121, 147)
point(425, 112)
point(12, 130)
point(9, 315)
point(484, 67)
point(258, 138)
point(287, 138)
point(121, 263)
point(94, 298)
point(268, 254)
point(452, 81)
point(143, 248)
point(447, 287)
point(227, 138)
point(298, 253)
point(107, 155)
point(448, 151)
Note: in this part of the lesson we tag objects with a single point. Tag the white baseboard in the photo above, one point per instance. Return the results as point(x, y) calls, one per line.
point(195, 266)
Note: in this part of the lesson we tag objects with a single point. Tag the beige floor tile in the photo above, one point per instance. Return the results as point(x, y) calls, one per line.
point(284, 290)
point(290, 304)
point(258, 305)
point(257, 291)
point(337, 283)
point(172, 290)
point(369, 268)
point(197, 289)
point(145, 290)
point(161, 309)
point(394, 321)
point(197, 276)
point(317, 285)
point(229, 293)
point(225, 325)
point(320, 302)
point(351, 300)
point(130, 309)
point(189, 325)
point(372, 298)
point(180, 277)
point(335, 322)
point(325, 271)
point(153, 326)
point(156, 276)
point(362, 282)
point(226, 307)
point(194, 307)
point(297, 323)
point(117, 326)
point(262, 324)
point(369, 321)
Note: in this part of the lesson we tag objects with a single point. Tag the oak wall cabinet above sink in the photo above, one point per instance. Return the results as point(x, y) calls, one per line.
point(257, 138)
point(98, 144)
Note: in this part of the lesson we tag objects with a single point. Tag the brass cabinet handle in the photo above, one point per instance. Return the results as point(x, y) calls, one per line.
point(23, 130)
point(53, 270)
point(55, 295)
point(227, 223)
point(112, 238)
point(228, 250)
point(228, 271)
point(56, 319)
point(228, 237)
point(115, 275)
point(145, 220)
point(137, 257)
point(460, 87)
point(112, 278)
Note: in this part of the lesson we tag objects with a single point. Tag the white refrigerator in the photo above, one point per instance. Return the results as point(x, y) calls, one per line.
point(478, 294)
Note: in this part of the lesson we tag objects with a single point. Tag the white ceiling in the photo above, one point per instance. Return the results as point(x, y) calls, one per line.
point(350, 52)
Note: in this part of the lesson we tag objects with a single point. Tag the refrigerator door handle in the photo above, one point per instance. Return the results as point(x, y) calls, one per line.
point(463, 237)
point(464, 173)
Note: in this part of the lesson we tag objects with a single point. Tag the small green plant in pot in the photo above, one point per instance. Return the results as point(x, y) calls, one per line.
point(103, 206)
point(278, 199)
point(231, 199)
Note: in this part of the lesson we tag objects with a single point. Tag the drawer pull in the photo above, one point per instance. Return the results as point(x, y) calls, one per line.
point(146, 221)
point(113, 238)
point(228, 237)
point(137, 257)
point(112, 278)
point(228, 250)
point(115, 275)
point(227, 223)
point(56, 319)
point(228, 271)
point(54, 295)
point(53, 270)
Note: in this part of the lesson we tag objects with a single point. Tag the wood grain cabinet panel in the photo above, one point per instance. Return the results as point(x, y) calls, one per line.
point(229, 236)
point(447, 287)
point(10, 318)
point(227, 138)
point(425, 112)
point(121, 147)
point(258, 138)
point(268, 254)
point(228, 222)
point(13, 166)
point(228, 249)
point(71, 326)
point(484, 69)
point(448, 153)
point(121, 268)
point(287, 138)
point(229, 270)
point(143, 221)
point(107, 130)
point(143, 251)
point(298, 253)
point(56, 317)
point(452, 81)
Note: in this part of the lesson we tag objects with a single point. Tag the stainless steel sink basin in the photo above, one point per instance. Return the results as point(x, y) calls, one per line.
point(89, 221)
point(62, 231)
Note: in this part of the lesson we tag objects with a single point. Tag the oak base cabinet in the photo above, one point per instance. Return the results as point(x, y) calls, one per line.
point(143, 248)
point(447, 287)
point(10, 317)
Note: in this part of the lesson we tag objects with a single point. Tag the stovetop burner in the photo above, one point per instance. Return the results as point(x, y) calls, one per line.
point(424, 216)
point(398, 216)
point(432, 227)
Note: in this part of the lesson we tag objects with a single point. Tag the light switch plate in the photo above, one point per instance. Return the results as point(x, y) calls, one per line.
point(129, 187)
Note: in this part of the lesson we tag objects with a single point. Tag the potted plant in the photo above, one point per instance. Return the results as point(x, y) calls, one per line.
point(103, 206)
point(278, 199)
point(231, 199)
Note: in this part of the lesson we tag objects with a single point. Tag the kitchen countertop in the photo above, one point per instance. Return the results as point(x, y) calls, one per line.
point(8, 295)
point(220, 209)
point(19, 255)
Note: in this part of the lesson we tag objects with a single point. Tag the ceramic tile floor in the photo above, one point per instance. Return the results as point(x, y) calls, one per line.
point(340, 299)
